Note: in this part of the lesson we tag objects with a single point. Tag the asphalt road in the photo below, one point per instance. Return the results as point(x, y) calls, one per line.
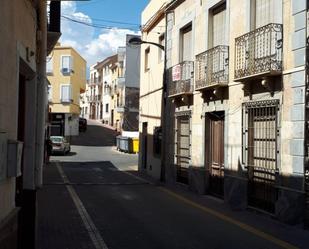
point(91, 199)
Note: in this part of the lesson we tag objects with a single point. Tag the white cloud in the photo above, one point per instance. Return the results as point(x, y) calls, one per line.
point(84, 39)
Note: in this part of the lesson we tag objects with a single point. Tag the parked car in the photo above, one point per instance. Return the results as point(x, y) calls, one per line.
point(82, 124)
point(60, 144)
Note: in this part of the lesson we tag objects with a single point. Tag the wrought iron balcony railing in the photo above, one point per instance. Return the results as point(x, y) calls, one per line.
point(259, 52)
point(212, 68)
point(181, 79)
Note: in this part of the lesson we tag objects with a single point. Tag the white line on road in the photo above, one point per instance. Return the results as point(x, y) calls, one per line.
point(93, 232)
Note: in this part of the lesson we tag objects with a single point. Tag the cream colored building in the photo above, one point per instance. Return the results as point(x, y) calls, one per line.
point(66, 71)
point(236, 106)
point(151, 85)
point(84, 102)
point(26, 37)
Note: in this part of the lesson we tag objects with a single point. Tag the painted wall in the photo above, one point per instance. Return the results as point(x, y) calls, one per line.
point(77, 80)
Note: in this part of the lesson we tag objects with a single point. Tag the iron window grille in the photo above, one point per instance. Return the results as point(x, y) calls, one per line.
point(261, 130)
point(182, 146)
point(212, 67)
point(259, 52)
point(157, 141)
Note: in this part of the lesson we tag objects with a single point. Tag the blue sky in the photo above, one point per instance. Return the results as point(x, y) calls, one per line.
point(116, 18)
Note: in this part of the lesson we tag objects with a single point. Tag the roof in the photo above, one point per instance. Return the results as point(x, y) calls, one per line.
point(109, 60)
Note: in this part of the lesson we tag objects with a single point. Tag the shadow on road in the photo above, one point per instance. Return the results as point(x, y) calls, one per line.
point(95, 136)
point(67, 154)
point(100, 172)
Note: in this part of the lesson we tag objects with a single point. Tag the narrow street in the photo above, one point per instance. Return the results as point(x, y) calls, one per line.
point(93, 198)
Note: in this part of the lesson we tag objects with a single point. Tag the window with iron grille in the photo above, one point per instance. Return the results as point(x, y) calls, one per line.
point(260, 138)
point(157, 140)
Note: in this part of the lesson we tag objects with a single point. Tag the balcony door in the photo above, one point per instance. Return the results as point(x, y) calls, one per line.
point(219, 26)
point(216, 61)
point(264, 12)
point(186, 43)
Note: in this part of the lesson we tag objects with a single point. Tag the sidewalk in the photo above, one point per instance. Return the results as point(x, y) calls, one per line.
point(294, 235)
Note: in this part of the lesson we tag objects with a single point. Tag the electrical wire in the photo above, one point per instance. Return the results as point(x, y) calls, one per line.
point(102, 26)
point(95, 25)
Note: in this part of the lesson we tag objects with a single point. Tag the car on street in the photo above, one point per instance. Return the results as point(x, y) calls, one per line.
point(82, 124)
point(60, 145)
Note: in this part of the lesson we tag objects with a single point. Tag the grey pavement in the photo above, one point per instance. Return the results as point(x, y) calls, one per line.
point(128, 212)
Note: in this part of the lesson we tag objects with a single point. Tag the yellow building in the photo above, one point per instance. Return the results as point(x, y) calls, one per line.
point(66, 71)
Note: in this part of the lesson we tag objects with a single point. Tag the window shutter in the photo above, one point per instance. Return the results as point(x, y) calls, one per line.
point(264, 13)
point(219, 28)
point(187, 44)
point(67, 63)
point(66, 93)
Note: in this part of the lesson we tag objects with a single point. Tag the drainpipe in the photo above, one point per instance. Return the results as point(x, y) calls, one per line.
point(41, 91)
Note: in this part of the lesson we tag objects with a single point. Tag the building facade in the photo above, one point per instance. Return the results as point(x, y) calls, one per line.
point(151, 88)
point(66, 71)
point(84, 102)
point(95, 93)
point(236, 105)
point(27, 35)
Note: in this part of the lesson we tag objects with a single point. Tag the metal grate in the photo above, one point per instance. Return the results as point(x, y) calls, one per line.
point(182, 148)
point(212, 67)
point(260, 152)
point(259, 51)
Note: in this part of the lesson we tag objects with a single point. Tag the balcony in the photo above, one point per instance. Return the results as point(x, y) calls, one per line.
point(212, 68)
point(259, 52)
point(181, 79)
point(53, 25)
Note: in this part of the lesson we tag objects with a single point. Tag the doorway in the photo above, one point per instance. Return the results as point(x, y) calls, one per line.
point(144, 144)
point(214, 152)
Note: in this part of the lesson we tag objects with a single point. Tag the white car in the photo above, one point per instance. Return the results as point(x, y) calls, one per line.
point(60, 144)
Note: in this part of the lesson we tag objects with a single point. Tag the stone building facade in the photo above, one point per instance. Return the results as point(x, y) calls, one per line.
point(236, 102)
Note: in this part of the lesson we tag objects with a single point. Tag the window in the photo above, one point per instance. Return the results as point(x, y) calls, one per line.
point(260, 131)
point(265, 12)
point(218, 26)
point(66, 95)
point(186, 44)
point(50, 93)
point(49, 65)
point(147, 52)
point(66, 64)
point(161, 52)
point(157, 141)
point(106, 108)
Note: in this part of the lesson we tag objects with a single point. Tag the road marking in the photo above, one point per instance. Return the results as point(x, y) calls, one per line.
point(221, 216)
point(93, 232)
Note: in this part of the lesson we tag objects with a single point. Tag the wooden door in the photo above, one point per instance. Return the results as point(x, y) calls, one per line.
point(215, 151)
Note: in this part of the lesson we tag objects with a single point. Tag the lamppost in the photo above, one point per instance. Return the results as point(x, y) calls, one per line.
point(138, 41)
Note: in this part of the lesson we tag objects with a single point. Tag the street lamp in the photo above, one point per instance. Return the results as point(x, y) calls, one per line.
point(138, 41)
